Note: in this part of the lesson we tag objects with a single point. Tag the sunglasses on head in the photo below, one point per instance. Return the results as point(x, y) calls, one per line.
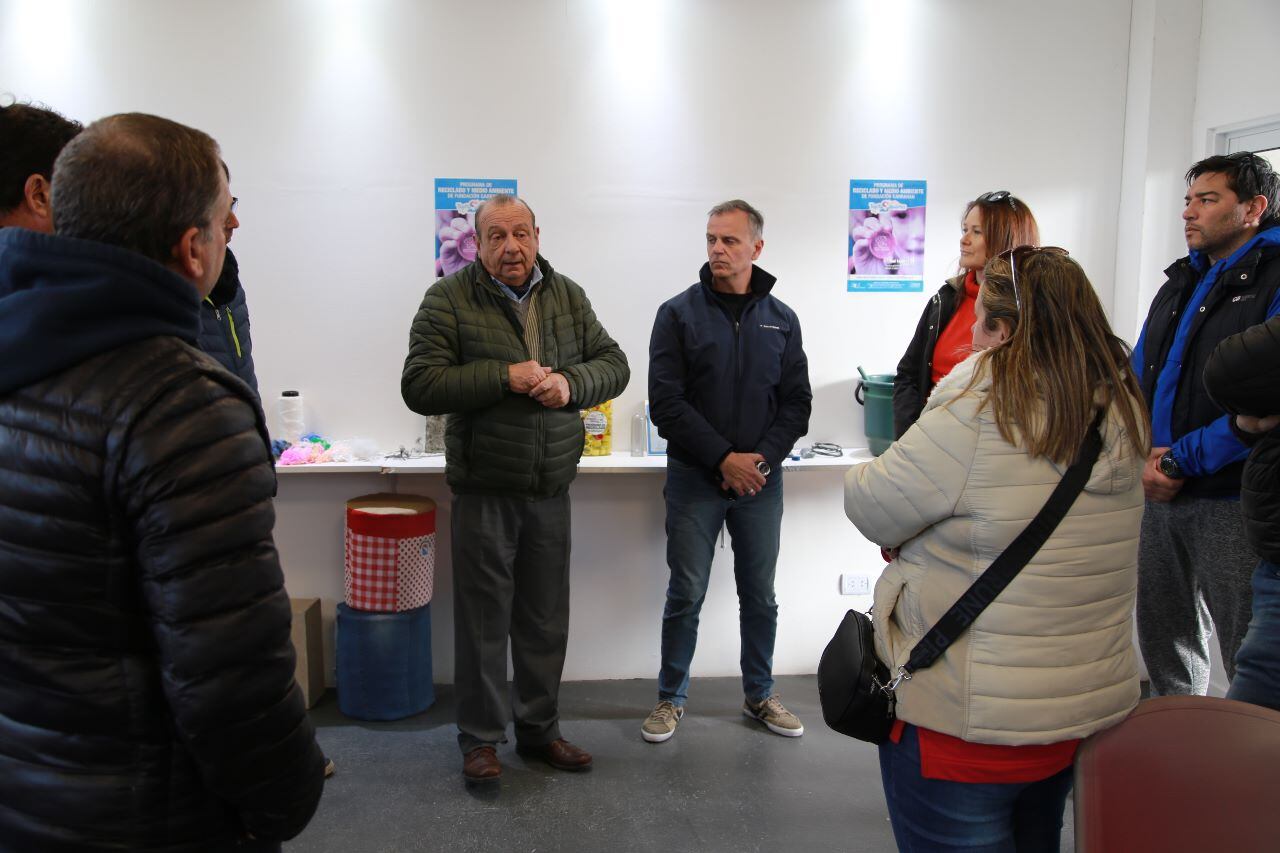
point(1012, 256)
point(997, 197)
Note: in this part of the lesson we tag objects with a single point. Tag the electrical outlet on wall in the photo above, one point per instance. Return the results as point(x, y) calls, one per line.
point(855, 584)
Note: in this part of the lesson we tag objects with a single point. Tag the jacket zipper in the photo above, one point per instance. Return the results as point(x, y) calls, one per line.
point(235, 339)
point(541, 423)
point(737, 363)
point(935, 329)
point(541, 427)
point(231, 325)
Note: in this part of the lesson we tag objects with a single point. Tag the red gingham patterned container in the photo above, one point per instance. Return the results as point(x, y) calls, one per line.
point(390, 552)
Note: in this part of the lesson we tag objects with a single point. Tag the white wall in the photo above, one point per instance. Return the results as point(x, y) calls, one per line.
point(1237, 66)
point(1164, 44)
point(623, 122)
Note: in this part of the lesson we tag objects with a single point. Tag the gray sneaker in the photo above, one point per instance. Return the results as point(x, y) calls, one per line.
point(661, 723)
point(775, 716)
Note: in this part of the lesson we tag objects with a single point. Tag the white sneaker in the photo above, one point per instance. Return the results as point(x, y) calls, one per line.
point(661, 723)
point(775, 716)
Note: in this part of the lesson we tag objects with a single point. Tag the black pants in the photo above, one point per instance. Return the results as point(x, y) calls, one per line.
point(510, 578)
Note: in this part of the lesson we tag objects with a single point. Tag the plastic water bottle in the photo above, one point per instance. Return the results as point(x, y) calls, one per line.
point(639, 434)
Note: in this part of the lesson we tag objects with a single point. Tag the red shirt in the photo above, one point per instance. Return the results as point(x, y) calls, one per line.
point(955, 342)
point(955, 760)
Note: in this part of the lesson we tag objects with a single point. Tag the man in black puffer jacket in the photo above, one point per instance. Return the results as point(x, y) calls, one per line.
point(1243, 377)
point(147, 699)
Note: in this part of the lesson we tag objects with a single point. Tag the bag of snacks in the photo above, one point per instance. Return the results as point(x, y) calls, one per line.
point(597, 425)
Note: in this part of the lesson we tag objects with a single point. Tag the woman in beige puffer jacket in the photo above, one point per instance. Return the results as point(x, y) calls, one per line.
point(1051, 660)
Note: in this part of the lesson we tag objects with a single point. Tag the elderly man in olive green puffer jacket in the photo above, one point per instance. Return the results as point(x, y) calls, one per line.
point(511, 350)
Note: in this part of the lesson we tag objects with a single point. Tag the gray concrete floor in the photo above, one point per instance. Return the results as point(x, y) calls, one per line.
point(723, 783)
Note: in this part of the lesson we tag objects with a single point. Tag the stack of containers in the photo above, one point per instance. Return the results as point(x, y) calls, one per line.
point(384, 628)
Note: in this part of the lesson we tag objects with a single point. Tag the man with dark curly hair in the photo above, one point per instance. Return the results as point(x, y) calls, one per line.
point(1194, 565)
point(30, 139)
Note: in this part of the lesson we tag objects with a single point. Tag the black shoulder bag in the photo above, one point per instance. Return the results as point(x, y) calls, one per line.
point(854, 686)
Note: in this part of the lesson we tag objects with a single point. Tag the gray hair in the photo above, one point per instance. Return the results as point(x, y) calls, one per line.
point(137, 181)
point(754, 218)
point(502, 200)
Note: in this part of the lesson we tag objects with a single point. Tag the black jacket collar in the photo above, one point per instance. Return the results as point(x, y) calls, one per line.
point(761, 281)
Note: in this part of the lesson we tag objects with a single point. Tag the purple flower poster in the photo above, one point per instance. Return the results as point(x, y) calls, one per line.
point(886, 236)
point(456, 203)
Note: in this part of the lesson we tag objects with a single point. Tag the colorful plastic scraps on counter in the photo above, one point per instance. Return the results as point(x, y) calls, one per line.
point(313, 449)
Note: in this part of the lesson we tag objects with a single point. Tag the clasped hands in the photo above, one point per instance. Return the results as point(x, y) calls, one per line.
point(539, 382)
point(741, 474)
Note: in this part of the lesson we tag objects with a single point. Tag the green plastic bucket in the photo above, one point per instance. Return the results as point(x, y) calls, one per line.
point(875, 394)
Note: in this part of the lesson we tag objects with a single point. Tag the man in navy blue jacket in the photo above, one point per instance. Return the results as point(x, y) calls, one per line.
point(729, 390)
point(1194, 565)
point(224, 313)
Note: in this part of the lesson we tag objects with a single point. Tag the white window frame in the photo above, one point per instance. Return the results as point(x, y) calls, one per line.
point(1261, 134)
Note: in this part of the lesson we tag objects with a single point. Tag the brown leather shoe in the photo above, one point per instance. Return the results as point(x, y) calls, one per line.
point(560, 754)
point(481, 765)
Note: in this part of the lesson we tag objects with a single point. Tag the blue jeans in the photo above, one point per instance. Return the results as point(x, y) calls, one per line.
point(937, 816)
point(696, 509)
point(1257, 678)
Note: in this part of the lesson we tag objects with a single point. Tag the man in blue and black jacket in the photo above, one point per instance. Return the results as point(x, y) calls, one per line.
point(729, 390)
point(1194, 565)
point(224, 313)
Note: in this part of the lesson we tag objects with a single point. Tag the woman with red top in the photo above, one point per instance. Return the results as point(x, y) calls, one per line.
point(993, 223)
point(981, 756)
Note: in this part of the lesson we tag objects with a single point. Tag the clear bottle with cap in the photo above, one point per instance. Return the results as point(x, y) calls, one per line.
point(639, 434)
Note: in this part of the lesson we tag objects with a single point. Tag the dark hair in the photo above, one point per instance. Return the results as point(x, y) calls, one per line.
point(138, 182)
point(1006, 222)
point(30, 138)
point(755, 218)
point(502, 200)
point(1248, 175)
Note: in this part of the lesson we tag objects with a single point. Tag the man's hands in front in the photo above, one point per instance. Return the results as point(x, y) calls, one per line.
point(740, 473)
point(522, 378)
point(537, 380)
point(552, 392)
point(1158, 487)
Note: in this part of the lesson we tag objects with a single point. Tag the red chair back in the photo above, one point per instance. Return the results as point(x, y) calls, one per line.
point(1181, 773)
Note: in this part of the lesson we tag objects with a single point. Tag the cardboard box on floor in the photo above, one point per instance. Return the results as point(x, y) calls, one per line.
point(309, 647)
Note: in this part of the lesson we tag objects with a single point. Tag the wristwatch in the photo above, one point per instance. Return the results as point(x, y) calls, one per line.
point(1169, 466)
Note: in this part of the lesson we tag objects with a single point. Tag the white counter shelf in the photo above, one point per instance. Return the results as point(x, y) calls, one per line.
point(614, 463)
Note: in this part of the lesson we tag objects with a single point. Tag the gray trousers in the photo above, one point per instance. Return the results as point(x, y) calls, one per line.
point(1194, 569)
point(510, 578)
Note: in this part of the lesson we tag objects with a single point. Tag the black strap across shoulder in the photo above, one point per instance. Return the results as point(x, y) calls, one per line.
point(1006, 567)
